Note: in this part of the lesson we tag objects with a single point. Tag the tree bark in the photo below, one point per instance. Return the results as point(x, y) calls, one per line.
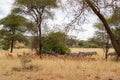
point(40, 42)
point(40, 34)
point(109, 32)
point(12, 45)
point(12, 40)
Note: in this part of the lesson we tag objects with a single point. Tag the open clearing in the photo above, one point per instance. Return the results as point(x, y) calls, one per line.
point(53, 68)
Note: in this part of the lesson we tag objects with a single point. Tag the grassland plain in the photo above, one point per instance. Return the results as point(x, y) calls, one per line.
point(53, 68)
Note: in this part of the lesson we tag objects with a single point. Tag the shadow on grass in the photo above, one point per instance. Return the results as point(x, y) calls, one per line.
point(27, 68)
point(114, 59)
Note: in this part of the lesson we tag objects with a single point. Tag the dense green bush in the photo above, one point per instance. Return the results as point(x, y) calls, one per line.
point(55, 43)
point(5, 45)
point(58, 49)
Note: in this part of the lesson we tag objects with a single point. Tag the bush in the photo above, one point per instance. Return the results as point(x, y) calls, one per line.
point(5, 45)
point(93, 46)
point(55, 43)
point(58, 49)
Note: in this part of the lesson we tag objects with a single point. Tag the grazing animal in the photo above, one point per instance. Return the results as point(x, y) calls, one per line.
point(52, 53)
point(112, 54)
point(84, 54)
point(91, 53)
point(73, 54)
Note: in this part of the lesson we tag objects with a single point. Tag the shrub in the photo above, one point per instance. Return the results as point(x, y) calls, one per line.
point(58, 49)
point(55, 43)
point(5, 45)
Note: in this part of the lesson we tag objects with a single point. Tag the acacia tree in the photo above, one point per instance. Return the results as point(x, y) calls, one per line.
point(114, 21)
point(38, 11)
point(100, 8)
point(110, 33)
point(13, 27)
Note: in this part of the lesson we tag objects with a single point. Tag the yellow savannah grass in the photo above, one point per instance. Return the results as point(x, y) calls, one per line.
point(59, 69)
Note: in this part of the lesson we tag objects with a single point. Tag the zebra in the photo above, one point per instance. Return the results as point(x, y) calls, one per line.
point(73, 54)
point(84, 54)
point(112, 54)
point(91, 53)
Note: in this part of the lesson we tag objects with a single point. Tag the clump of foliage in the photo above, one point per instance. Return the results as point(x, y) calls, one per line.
point(55, 42)
point(14, 26)
point(38, 11)
point(57, 49)
point(5, 45)
point(72, 42)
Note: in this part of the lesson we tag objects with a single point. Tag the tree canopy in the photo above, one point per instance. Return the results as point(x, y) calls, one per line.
point(38, 11)
point(13, 27)
point(100, 8)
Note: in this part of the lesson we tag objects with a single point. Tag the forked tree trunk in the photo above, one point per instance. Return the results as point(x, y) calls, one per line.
point(40, 34)
point(114, 42)
point(39, 50)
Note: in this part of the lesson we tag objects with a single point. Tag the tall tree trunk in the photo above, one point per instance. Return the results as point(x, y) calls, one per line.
point(114, 42)
point(12, 45)
point(40, 33)
point(40, 42)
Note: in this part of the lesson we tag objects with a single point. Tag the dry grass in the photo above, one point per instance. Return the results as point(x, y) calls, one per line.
point(59, 69)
